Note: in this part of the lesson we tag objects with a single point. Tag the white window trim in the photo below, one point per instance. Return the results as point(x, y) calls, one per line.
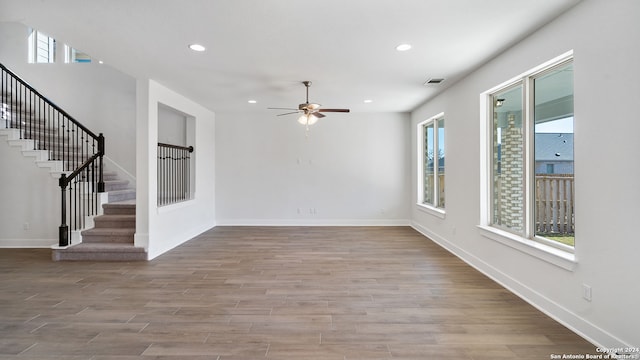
point(32, 55)
point(427, 208)
point(559, 255)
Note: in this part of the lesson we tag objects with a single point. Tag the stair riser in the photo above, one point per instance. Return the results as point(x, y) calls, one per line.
point(113, 211)
point(122, 196)
point(98, 256)
point(95, 239)
point(116, 223)
point(111, 187)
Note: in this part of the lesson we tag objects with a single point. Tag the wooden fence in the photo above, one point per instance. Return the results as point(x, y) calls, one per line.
point(555, 204)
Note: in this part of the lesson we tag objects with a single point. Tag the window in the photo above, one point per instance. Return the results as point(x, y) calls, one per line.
point(531, 191)
point(72, 55)
point(431, 155)
point(42, 47)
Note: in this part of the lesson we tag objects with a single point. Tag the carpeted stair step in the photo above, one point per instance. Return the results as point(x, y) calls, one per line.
point(127, 207)
point(108, 236)
point(100, 252)
point(115, 221)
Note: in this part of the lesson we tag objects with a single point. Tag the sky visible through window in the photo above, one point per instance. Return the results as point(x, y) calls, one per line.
point(561, 126)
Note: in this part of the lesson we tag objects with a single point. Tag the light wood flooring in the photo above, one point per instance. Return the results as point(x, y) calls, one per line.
point(271, 293)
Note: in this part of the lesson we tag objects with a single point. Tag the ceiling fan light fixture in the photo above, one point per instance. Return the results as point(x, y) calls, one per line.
point(307, 119)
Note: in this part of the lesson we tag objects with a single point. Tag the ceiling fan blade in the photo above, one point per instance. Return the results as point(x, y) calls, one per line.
point(318, 115)
point(273, 108)
point(289, 113)
point(334, 110)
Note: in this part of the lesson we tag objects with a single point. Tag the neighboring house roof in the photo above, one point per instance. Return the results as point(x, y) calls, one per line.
point(554, 146)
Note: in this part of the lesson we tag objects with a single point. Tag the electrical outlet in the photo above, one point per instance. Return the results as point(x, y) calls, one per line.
point(26, 226)
point(586, 292)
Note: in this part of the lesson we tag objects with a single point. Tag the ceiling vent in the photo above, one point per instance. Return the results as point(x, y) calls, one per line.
point(434, 81)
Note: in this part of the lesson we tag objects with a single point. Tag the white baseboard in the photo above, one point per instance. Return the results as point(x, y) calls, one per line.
point(564, 316)
point(313, 222)
point(28, 243)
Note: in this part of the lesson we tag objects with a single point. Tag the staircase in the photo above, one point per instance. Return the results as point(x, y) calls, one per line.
point(110, 240)
point(70, 150)
point(112, 236)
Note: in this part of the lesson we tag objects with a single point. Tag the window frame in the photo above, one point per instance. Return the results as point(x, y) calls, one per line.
point(548, 250)
point(71, 56)
point(34, 52)
point(430, 208)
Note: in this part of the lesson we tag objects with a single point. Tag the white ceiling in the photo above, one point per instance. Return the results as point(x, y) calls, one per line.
point(263, 49)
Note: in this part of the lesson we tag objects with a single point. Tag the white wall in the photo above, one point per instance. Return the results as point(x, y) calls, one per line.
point(350, 170)
point(161, 229)
point(29, 210)
point(604, 36)
point(172, 126)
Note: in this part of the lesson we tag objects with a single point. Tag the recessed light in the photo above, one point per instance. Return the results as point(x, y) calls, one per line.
point(368, 101)
point(100, 62)
point(197, 47)
point(252, 101)
point(403, 47)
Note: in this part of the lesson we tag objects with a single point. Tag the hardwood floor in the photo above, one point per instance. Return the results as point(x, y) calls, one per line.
point(271, 293)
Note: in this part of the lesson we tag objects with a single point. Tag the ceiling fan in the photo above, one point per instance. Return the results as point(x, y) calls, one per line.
point(310, 112)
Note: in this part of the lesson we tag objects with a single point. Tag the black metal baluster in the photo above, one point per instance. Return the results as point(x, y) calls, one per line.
point(160, 176)
point(101, 151)
point(164, 178)
point(18, 108)
point(162, 183)
point(174, 167)
point(168, 177)
point(188, 176)
point(179, 172)
point(74, 146)
point(63, 230)
point(75, 201)
point(51, 130)
point(57, 144)
point(182, 155)
point(159, 179)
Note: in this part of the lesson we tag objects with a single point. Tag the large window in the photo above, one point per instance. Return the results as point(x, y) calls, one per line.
point(431, 162)
point(531, 191)
point(42, 47)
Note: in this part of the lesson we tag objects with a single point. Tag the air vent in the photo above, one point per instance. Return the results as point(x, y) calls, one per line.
point(434, 81)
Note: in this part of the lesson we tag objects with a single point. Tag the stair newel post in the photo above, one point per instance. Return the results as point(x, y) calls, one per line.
point(63, 233)
point(100, 166)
